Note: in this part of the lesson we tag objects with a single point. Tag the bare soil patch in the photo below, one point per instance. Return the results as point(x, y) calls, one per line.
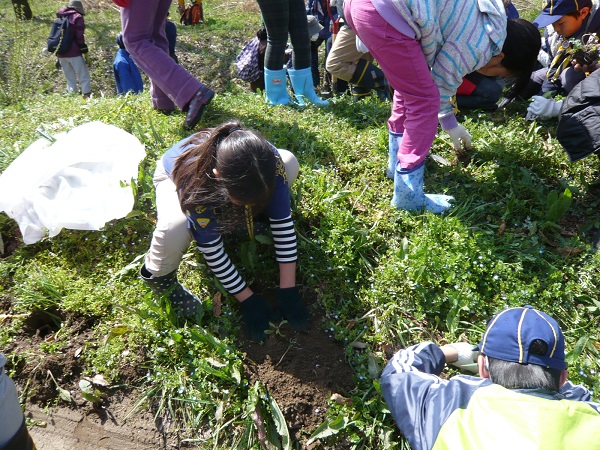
point(300, 370)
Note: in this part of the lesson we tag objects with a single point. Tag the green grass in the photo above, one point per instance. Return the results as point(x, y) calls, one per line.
point(398, 277)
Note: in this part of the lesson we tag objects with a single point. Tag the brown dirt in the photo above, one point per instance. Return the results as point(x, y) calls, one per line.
point(300, 370)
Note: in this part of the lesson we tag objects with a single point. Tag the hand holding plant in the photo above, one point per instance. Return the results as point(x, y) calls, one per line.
point(585, 52)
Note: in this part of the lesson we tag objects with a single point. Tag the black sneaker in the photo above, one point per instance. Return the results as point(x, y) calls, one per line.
point(196, 107)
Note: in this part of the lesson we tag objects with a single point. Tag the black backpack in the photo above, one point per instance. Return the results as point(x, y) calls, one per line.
point(60, 40)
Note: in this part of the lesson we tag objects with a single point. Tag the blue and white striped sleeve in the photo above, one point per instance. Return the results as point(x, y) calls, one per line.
point(284, 238)
point(220, 264)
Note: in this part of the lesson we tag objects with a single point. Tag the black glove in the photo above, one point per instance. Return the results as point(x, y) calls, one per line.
point(256, 312)
point(292, 308)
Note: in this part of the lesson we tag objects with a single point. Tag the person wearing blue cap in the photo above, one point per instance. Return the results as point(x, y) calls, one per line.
point(563, 21)
point(521, 399)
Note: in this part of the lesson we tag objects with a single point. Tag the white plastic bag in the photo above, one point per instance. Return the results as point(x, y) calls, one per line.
point(73, 183)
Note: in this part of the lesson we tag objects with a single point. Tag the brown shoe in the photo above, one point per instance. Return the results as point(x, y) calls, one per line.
point(196, 106)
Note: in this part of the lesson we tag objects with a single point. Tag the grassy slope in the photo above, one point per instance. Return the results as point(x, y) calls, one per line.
point(384, 277)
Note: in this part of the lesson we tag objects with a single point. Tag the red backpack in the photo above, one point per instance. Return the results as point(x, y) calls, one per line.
point(192, 15)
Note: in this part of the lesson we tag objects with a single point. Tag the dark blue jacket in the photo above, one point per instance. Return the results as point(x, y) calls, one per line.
point(127, 74)
point(466, 412)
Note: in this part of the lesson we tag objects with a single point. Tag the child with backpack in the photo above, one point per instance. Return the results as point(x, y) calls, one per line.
point(73, 59)
point(191, 15)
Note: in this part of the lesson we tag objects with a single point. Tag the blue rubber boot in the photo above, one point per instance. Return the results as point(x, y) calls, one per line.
point(394, 145)
point(302, 83)
point(276, 87)
point(408, 192)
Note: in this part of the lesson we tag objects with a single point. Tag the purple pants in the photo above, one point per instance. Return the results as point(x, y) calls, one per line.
point(416, 97)
point(143, 27)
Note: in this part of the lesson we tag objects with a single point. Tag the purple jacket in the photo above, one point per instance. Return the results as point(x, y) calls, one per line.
point(77, 23)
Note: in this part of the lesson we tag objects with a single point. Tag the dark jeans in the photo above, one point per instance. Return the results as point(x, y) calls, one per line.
point(314, 61)
point(540, 85)
point(283, 17)
point(485, 96)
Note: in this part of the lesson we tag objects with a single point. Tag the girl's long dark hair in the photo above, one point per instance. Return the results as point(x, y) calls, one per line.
point(246, 166)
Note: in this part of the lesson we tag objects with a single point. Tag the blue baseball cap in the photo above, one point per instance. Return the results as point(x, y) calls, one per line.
point(510, 333)
point(555, 9)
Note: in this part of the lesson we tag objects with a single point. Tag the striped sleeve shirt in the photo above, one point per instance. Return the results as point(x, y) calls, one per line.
point(204, 225)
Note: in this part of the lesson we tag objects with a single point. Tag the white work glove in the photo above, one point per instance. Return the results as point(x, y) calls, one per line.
point(360, 46)
point(466, 357)
point(543, 108)
point(460, 137)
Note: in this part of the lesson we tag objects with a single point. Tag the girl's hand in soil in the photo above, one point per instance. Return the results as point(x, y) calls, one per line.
point(292, 308)
point(256, 312)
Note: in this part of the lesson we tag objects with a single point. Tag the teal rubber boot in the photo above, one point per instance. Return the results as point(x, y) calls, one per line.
point(185, 303)
point(276, 87)
point(302, 83)
point(395, 141)
point(408, 192)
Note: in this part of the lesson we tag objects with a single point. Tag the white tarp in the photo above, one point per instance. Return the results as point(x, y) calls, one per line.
point(75, 182)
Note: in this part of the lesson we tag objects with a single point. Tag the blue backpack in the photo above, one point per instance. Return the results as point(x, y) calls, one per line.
point(60, 40)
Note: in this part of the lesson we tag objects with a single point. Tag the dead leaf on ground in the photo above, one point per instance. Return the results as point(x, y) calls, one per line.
point(359, 345)
point(502, 227)
point(568, 250)
point(340, 399)
point(217, 304)
point(439, 159)
point(99, 380)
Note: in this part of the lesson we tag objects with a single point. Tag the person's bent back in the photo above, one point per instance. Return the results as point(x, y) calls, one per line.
point(521, 399)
